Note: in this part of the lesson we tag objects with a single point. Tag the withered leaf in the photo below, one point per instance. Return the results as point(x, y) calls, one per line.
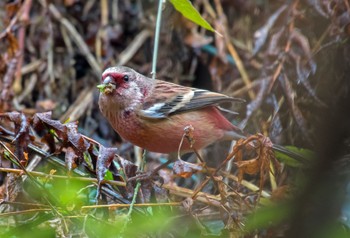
point(289, 94)
point(248, 167)
point(145, 192)
point(262, 34)
point(126, 169)
point(276, 127)
point(256, 103)
point(21, 124)
point(160, 193)
point(67, 133)
point(104, 160)
point(12, 8)
point(318, 6)
point(70, 158)
point(185, 169)
point(13, 45)
point(274, 47)
point(50, 141)
point(261, 163)
point(75, 138)
point(44, 119)
point(22, 137)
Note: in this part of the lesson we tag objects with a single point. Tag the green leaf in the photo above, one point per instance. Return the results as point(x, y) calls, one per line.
point(266, 216)
point(108, 176)
point(289, 161)
point(88, 160)
point(307, 154)
point(186, 8)
point(215, 227)
point(8, 156)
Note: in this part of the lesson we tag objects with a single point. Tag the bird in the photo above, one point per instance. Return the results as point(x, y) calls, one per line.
point(153, 114)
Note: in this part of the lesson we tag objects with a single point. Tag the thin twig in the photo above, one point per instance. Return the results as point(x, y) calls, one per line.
point(136, 205)
point(133, 47)
point(40, 174)
point(156, 39)
point(24, 212)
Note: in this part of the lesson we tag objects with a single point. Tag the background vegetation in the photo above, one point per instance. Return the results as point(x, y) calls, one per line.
point(64, 171)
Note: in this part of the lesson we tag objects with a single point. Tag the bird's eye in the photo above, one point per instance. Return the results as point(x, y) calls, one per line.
point(126, 78)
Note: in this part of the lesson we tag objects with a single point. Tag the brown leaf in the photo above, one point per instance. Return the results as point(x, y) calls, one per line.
point(184, 169)
point(298, 38)
point(256, 103)
point(70, 158)
point(188, 132)
point(303, 72)
point(196, 40)
point(38, 124)
point(45, 105)
point(104, 160)
point(6, 90)
point(251, 166)
point(262, 34)
point(75, 138)
point(21, 123)
point(25, 159)
point(12, 8)
point(274, 47)
point(50, 141)
point(127, 168)
point(13, 45)
point(67, 133)
point(42, 120)
point(161, 194)
point(22, 137)
point(261, 163)
point(145, 192)
point(222, 187)
point(276, 127)
point(289, 94)
point(318, 6)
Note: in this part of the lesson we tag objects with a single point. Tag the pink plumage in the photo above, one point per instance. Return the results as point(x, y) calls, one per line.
point(152, 114)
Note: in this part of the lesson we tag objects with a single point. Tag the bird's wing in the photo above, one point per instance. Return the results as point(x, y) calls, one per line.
point(169, 99)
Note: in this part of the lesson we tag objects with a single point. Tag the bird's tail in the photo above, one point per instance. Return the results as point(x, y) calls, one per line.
point(289, 153)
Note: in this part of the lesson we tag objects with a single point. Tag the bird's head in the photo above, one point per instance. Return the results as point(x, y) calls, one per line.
point(124, 85)
point(116, 80)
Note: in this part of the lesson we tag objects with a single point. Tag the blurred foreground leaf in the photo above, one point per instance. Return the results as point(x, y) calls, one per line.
point(267, 216)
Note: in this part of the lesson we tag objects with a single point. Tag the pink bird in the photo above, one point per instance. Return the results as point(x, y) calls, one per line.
point(152, 114)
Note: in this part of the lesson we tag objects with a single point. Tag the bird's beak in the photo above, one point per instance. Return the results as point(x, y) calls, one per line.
point(106, 87)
